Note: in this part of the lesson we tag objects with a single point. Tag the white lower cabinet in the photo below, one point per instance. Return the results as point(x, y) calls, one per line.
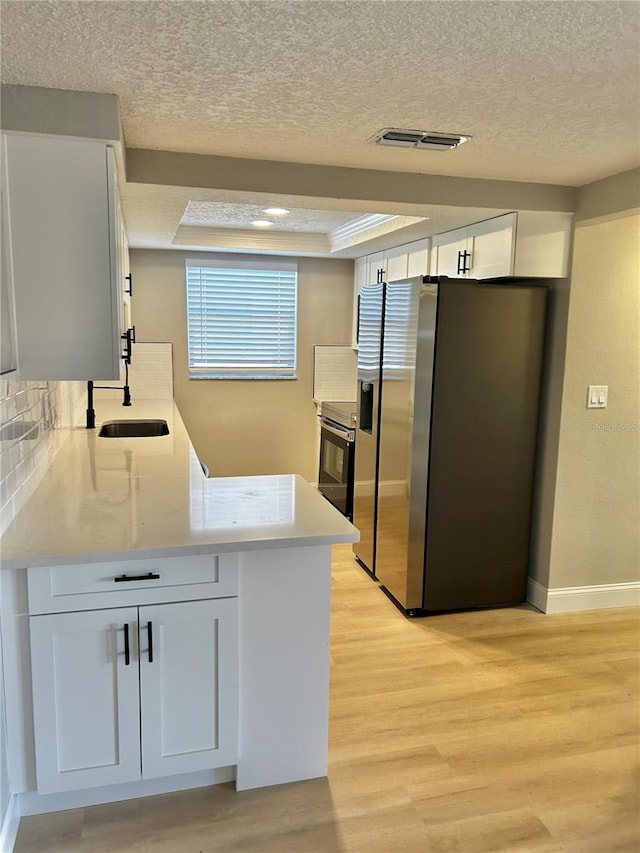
point(85, 699)
point(188, 686)
point(134, 693)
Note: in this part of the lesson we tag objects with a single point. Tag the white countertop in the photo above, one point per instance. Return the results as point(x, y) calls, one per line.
point(122, 498)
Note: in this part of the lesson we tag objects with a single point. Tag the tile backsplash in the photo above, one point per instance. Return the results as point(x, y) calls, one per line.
point(35, 418)
point(334, 373)
point(150, 373)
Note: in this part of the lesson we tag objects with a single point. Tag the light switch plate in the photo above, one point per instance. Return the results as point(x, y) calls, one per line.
point(597, 396)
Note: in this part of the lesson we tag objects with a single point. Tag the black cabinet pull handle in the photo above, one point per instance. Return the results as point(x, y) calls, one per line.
point(465, 255)
point(459, 263)
point(126, 355)
point(127, 654)
point(150, 576)
point(150, 640)
point(129, 338)
point(130, 280)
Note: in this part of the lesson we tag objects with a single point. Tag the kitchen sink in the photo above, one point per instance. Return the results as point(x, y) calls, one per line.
point(134, 429)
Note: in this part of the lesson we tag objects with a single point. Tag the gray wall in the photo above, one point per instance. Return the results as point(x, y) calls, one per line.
point(588, 497)
point(243, 427)
point(595, 537)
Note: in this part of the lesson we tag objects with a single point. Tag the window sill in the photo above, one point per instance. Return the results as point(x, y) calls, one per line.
point(242, 376)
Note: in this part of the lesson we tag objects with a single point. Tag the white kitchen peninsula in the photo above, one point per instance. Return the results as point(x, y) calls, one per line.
point(130, 574)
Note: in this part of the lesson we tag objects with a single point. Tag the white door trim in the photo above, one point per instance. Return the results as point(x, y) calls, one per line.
point(10, 825)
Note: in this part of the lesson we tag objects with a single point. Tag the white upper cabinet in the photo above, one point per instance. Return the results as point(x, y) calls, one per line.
point(359, 280)
point(8, 357)
point(516, 244)
point(66, 253)
point(125, 285)
point(418, 257)
point(492, 249)
point(367, 270)
point(483, 250)
point(407, 260)
point(376, 266)
point(448, 252)
point(395, 264)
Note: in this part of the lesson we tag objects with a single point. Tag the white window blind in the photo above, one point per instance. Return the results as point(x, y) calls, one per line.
point(241, 319)
point(400, 329)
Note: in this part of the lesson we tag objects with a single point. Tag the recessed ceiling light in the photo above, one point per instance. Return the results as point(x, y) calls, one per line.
point(276, 211)
point(262, 223)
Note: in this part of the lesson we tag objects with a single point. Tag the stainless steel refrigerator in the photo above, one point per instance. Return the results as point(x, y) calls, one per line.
point(446, 439)
point(370, 318)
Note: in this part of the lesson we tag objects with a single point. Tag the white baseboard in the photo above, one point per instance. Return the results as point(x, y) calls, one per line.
point(573, 598)
point(10, 825)
point(537, 595)
point(32, 803)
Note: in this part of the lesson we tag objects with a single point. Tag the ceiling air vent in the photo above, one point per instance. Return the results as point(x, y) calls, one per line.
point(431, 140)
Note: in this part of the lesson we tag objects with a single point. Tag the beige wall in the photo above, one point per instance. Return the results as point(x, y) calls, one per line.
point(613, 195)
point(595, 537)
point(249, 426)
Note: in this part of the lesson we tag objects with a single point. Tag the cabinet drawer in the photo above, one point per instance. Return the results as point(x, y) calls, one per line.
point(56, 589)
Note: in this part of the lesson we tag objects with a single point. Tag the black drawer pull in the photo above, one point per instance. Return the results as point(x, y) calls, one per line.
point(150, 639)
point(127, 656)
point(150, 576)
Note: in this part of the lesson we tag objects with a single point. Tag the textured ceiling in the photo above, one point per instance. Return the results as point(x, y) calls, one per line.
point(242, 215)
point(550, 91)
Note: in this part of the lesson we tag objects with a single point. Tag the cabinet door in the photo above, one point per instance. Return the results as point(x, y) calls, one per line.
point(61, 208)
point(359, 280)
point(418, 258)
point(492, 247)
point(448, 248)
point(8, 361)
point(188, 686)
point(85, 699)
point(124, 272)
point(397, 263)
point(375, 262)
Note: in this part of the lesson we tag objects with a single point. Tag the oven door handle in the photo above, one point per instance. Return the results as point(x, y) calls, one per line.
point(338, 432)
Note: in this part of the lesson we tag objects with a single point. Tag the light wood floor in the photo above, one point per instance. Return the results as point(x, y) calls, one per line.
point(500, 730)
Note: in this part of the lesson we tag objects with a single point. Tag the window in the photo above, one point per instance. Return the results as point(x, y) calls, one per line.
point(241, 319)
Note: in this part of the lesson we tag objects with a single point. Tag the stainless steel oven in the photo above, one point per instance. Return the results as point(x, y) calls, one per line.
point(337, 448)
